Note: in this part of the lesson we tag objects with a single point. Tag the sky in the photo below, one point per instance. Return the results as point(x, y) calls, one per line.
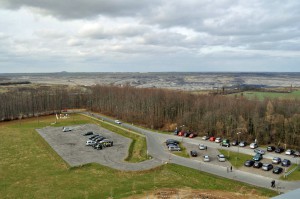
point(149, 36)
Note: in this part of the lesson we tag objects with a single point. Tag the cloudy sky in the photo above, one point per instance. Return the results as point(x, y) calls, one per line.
point(149, 35)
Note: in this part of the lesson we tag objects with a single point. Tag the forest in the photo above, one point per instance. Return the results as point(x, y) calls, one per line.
point(269, 121)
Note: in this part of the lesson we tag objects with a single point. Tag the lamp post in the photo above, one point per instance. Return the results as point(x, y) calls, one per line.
point(238, 134)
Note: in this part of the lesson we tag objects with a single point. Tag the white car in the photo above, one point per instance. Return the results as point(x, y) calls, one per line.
point(206, 158)
point(90, 143)
point(289, 152)
point(221, 158)
point(205, 137)
point(202, 147)
point(253, 145)
point(174, 148)
point(118, 122)
point(218, 140)
point(66, 129)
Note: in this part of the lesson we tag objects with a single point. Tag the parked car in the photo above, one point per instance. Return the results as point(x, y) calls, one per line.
point(192, 135)
point(221, 158)
point(218, 140)
point(88, 133)
point(107, 143)
point(271, 148)
point(93, 136)
point(249, 163)
point(181, 133)
point(267, 167)
point(260, 151)
point(186, 134)
point(212, 139)
point(257, 157)
point(90, 143)
point(234, 143)
point(194, 153)
point(171, 141)
point(174, 148)
point(118, 122)
point(285, 163)
point(276, 160)
point(98, 146)
point(289, 152)
point(176, 132)
point(257, 164)
point(205, 137)
point(202, 147)
point(297, 154)
point(279, 150)
point(243, 144)
point(66, 129)
point(277, 170)
point(226, 143)
point(98, 139)
point(206, 158)
point(253, 145)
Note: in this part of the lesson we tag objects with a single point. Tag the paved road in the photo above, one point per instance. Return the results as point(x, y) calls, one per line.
point(156, 150)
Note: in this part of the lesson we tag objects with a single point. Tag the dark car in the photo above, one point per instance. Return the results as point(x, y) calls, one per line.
point(194, 153)
point(225, 143)
point(186, 134)
point(234, 143)
point(271, 148)
point(257, 164)
point(94, 136)
point(277, 170)
point(285, 163)
point(98, 139)
point(88, 133)
point(279, 150)
point(267, 167)
point(171, 141)
point(257, 157)
point(297, 154)
point(249, 163)
point(176, 132)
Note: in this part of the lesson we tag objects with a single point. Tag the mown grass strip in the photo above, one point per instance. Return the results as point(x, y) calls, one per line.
point(235, 159)
point(294, 176)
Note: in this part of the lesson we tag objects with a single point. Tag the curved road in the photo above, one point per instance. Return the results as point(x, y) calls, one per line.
point(155, 149)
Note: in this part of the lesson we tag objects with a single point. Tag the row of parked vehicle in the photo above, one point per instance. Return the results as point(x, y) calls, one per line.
point(97, 141)
point(185, 133)
point(227, 143)
point(265, 166)
point(173, 145)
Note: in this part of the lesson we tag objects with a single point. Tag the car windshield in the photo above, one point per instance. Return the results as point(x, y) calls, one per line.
point(221, 156)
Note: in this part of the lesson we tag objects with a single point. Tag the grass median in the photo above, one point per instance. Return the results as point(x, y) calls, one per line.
point(295, 175)
point(236, 159)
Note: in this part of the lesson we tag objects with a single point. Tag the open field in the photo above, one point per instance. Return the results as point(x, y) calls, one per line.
point(29, 168)
point(271, 95)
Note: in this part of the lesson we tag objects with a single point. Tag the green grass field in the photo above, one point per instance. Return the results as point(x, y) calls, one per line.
point(30, 168)
point(293, 176)
point(271, 95)
point(236, 159)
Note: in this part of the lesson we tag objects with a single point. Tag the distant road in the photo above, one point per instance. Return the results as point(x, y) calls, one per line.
point(155, 149)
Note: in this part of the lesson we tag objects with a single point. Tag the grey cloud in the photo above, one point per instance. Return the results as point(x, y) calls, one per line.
point(78, 9)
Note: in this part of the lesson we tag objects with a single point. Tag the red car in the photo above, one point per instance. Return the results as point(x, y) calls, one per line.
point(212, 139)
point(181, 133)
point(192, 135)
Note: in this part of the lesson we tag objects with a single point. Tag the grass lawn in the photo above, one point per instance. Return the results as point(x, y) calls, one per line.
point(183, 152)
point(236, 159)
point(30, 168)
point(272, 95)
point(293, 176)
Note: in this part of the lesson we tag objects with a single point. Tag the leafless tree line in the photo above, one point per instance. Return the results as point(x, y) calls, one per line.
point(268, 121)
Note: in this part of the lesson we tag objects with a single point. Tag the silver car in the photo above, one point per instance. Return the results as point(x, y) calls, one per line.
point(206, 158)
point(202, 147)
point(221, 158)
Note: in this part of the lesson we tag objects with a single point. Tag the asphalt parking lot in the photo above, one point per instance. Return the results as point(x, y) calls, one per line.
point(71, 146)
